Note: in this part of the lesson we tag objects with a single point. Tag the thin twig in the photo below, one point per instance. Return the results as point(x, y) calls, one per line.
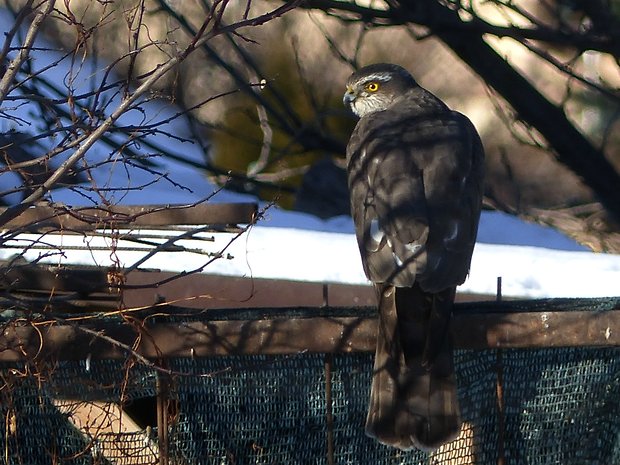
point(265, 150)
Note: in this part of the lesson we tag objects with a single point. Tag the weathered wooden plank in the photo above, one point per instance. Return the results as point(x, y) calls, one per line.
point(537, 329)
point(144, 288)
point(282, 335)
point(87, 218)
point(89, 289)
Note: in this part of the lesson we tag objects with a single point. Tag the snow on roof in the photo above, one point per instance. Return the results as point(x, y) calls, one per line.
point(291, 246)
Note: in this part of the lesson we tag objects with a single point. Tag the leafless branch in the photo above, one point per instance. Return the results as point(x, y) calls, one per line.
point(203, 35)
point(265, 150)
point(16, 63)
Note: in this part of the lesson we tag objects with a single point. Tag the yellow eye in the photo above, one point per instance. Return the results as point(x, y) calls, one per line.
point(372, 87)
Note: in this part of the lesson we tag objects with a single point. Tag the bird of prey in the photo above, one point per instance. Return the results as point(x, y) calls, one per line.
point(415, 174)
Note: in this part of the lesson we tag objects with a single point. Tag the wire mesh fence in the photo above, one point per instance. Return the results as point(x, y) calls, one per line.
point(98, 365)
point(540, 405)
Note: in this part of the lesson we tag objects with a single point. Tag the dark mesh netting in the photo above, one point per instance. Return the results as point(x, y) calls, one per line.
point(560, 406)
point(67, 413)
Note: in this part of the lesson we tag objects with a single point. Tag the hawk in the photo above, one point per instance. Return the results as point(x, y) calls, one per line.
point(415, 173)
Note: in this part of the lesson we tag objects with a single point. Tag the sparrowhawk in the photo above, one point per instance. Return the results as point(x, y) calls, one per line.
point(415, 174)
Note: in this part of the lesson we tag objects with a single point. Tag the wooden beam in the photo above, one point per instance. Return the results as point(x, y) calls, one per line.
point(291, 331)
point(119, 216)
point(537, 329)
point(68, 289)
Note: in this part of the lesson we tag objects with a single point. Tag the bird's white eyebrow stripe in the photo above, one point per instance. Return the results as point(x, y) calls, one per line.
point(383, 77)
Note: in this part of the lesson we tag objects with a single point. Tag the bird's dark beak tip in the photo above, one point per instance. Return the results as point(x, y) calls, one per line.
point(347, 99)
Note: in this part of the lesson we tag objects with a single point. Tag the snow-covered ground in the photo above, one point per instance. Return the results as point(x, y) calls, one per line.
point(533, 261)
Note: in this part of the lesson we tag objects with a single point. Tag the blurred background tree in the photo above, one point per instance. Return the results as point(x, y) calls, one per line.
point(539, 79)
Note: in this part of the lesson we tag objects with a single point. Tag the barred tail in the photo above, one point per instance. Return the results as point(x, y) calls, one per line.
point(413, 397)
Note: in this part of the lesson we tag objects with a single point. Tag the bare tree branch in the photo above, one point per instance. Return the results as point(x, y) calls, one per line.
point(202, 37)
point(571, 147)
point(24, 52)
point(585, 40)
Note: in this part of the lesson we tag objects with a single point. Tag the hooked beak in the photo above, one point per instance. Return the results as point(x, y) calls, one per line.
point(348, 97)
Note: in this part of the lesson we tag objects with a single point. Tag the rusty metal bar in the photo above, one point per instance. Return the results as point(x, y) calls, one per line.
point(297, 334)
point(163, 396)
point(499, 392)
point(119, 216)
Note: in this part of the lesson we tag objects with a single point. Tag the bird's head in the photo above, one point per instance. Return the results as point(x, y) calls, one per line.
point(374, 88)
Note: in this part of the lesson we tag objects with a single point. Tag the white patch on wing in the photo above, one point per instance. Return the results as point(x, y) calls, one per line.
point(413, 247)
point(375, 231)
point(372, 170)
point(397, 260)
point(375, 235)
